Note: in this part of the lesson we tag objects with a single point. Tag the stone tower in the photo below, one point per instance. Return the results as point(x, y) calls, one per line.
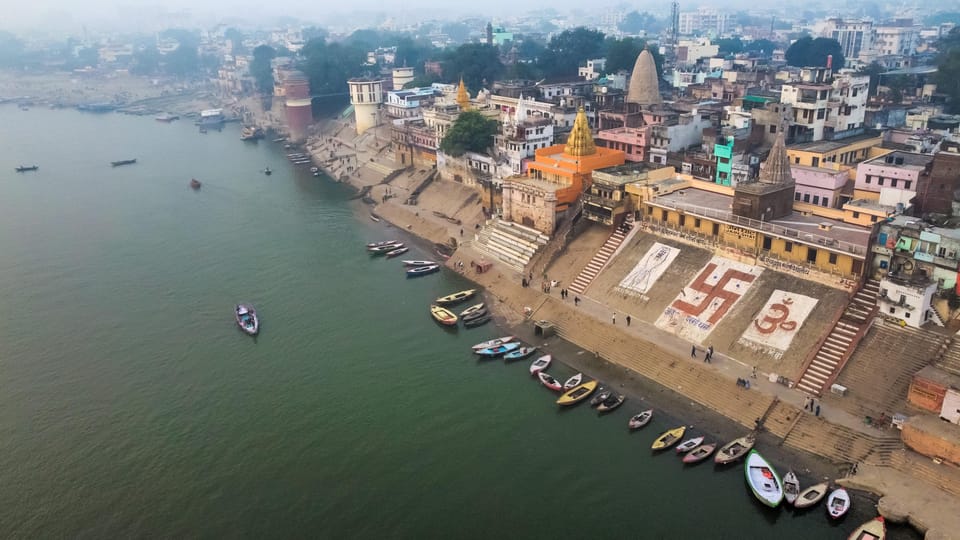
point(644, 85)
point(771, 195)
point(366, 95)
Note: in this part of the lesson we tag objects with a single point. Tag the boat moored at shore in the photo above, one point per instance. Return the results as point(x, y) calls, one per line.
point(875, 529)
point(763, 479)
point(668, 438)
point(811, 496)
point(838, 503)
point(498, 350)
point(577, 394)
point(456, 297)
point(493, 343)
point(735, 449)
point(443, 315)
point(640, 419)
point(423, 270)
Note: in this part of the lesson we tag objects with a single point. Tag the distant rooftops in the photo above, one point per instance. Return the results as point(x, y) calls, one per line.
point(909, 160)
point(829, 146)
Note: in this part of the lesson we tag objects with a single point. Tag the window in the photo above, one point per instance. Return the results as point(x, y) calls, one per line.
point(869, 178)
point(893, 182)
point(696, 223)
point(893, 309)
point(873, 219)
point(907, 184)
point(806, 197)
point(825, 201)
point(906, 314)
point(880, 181)
point(796, 160)
point(820, 114)
point(683, 220)
point(816, 199)
point(796, 195)
point(788, 247)
point(856, 215)
point(773, 128)
point(811, 255)
point(833, 258)
point(767, 243)
point(650, 210)
point(663, 215)
point(816, 162)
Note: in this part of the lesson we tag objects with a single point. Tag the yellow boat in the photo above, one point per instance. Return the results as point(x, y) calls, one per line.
point(668, 438)
point(443, 316)
point(455, 297)
point(577, 393)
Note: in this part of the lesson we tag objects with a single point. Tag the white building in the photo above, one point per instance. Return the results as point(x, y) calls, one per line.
point(593, 70)
point(689, 51)
point(826, 108)
point(899, 38)
point(706, 21)
point(855, 36)
point(907, 298)
point(521, 136)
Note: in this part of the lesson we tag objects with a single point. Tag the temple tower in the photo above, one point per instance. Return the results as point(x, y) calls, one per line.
point(580, 142)
point(463, 98)
point(296, 88)
point(771, 195)
point(366, 95)
point(644, 86)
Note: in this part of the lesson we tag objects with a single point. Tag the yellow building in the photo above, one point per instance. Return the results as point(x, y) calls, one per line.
point(838, 155)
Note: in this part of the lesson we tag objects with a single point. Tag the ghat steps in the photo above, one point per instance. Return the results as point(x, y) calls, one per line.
point(602, 257)
point(510, 243)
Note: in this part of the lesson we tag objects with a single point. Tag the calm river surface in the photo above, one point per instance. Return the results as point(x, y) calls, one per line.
point(132, 406)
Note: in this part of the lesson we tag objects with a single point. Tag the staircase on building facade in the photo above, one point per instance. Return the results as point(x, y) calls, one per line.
point(836, 349)
point(602, 257)
point(510, 243)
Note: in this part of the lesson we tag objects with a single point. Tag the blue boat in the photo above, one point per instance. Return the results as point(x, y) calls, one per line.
point(423, 270)
point(498, 350)
point(522, 352)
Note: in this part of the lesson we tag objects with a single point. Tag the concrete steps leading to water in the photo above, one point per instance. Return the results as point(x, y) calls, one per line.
point(510, 243)
point(602, 257)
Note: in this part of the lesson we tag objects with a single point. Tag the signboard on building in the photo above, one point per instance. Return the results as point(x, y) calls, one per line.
point(772, 329)
point(648, 269)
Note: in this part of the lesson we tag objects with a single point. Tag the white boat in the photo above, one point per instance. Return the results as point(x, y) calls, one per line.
point(641, 419)
point(791, 487)
point(573, 382)
point(838, 503)
point(875, 529)
point(811, 496)
point(540, 364)
point(493, 343)
point(763, 479)
point(247, 319)
point(547, 380)
point(416, 263)
point(689, 445)
point(397, 252)
point(476, 308)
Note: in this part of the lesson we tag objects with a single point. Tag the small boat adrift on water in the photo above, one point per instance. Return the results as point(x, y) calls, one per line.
point(123, 162)
point(247, 319)
point(27, 168)
point(195, 184)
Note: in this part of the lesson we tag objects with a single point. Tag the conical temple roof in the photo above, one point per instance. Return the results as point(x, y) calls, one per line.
point(644, 86)
point(776, 169)
point(580, 142)
point(463, 98)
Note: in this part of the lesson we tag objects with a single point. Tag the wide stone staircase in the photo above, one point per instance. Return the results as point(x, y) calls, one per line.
point(510, 243)
point(602, 257)
point(950, 360)
point(836, 349)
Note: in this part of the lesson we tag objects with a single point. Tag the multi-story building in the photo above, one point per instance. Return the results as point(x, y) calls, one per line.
point(896, 38)
point(522, 136)
point(936, 195)
point(893, 178)
point(607, 198)
point(855, 36)
point(409, 103)
point(845, 153)
point(820, 186)
point(706, 21)
point(825, 108)
point(690, 51)
point(593, 70)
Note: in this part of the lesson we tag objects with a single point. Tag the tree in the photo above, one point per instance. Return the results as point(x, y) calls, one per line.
point(412, 53)
point(471, 132)
point(146, 61)
point(639, 23)
point(948, 69)
point(729, 45)
point(236, 41)
point(260, 68)
point(897, 85)
point(763, 46)
point(874, 70)
point(809, 52)
point(328, 66)
point(478, 63)
point(457, 31)
point(182, 61)
point(622, 54)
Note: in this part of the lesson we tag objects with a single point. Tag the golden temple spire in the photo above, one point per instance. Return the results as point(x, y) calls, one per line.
point(580, 142)
point(463, 98)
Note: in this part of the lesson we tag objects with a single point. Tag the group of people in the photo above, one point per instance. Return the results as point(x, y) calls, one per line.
point(743, 383)
point(707, 357)
point(812, 405)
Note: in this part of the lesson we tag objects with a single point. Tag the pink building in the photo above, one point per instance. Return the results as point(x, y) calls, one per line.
point(897, 170)
point(632, 141)
point(818, 186)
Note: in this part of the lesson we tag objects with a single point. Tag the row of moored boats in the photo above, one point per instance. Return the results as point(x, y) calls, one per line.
point(395, 248)
point(764, 481)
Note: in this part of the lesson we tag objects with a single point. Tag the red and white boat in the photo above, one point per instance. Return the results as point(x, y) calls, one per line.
point(540, 364)
point(573, 382)
point(838, 503)
point(547, 380)
point(689, 444)
point(493, 343)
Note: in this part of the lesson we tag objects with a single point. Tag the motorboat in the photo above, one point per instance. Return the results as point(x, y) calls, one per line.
point(195, 184)
point(493, 343)
point(734, 449)
point(247, 319)
point(519, 354)
point(123, 162)
point(423, 270)
point(811, 496)
point(27, 168)
point(397, 252)
point(600, 396)
point(668, 438)
point(611, 403)
point(689, 444)
point(577, 394)
point(791, 487)
point(875, 529)
point(540, 364)
point(455, 298)
point(838, 503)
point(640, 419)
point(411, 263)
point(476, 308)
point(763, 479)
point(573, 381)
point(699, 453)
point(443, 315)
point(547, 380)
point(497, 350)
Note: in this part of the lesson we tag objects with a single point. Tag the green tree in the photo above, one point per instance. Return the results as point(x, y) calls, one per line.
point(260, 68)
point(638, 23)
point(569, 49)
point(412, 53)
point(236, 41)
point(897, 85)
point(478, 63)
point(874, 70)
point(729, 45)
point(457, 31)
point(146, 61)
point(622, 54)
point(11, 50)
point(328, 66)
point(948, 69)
point(183, 61)
point(764, 46)
point(471, 132)
point(809, 52)
point(87, 56)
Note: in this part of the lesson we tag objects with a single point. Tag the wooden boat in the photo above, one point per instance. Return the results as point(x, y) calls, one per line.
point(600, 397)
point(734, 449)
point(540, 364)
point(415, 263)
point(668, 438)
point(573, 381)
point(548, 381)
point(266, 171)
point(699, 453)
point(443, 316)
point(475, 315)
point(122, 162)
point(875, 529)
point(423, 270)
point(493, 343)
point(455, 298)
point(519, 354)
point(498, 350)
point(194, 183)
point(397, 252)
point(838, 503)
point(372, 245)
point(247, 319)
point(577, 393)
point(26, 168)
point(811, 496)
point(611, 403)
point(791, 487)
point(477, 321)
point(641, 419)
point(473, 309)
point(689, 444)
point(763, 480)
point(382, 250)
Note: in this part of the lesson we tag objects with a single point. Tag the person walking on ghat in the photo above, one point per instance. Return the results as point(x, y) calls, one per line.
point(806, 403)
point(818, 410)
point(710, 354)
point(693, 351)
point(614, 318)
point(628, 320)
point(753, 375)
point(576, 300)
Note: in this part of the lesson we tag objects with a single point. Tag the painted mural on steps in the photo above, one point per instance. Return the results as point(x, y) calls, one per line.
point(701, 305)
point(648, 270)
point(772, 329)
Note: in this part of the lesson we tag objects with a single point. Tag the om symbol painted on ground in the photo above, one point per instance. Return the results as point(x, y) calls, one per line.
point(777, 317)
point(773, 327)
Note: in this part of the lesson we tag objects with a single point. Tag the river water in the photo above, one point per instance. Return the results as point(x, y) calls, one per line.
point(131, 405)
